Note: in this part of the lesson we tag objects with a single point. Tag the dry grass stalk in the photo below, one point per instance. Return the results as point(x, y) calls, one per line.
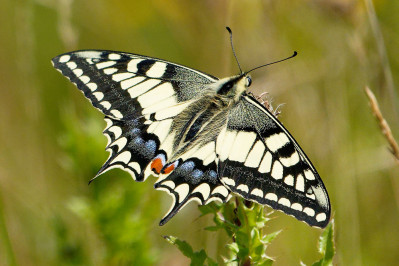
point(266, 101)
point(386, 130)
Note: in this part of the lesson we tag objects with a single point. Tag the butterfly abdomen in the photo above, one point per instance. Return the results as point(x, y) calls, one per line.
point(199, 123)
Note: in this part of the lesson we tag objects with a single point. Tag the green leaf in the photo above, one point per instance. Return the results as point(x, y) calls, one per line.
point(258, 251)
point(212, 208)
point(183, 246)
point(197, 258)
point(243, 223)
point(326, 246)
point(266, 262)
point(267, 239)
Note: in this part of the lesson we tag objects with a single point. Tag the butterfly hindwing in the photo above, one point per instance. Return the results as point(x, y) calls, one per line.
point(192, 180)
point(259, 160)
point(131, 147)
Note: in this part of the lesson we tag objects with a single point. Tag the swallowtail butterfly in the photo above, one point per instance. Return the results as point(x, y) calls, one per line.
point(204, 138)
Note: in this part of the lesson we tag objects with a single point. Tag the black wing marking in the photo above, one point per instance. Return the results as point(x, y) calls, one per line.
point(139, 95)
point(261, 161)
point(126, 86)
point(131, 147)
point(191, 180)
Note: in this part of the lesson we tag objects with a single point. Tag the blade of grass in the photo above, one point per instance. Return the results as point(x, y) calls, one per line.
point(385, 129)
point(375, 27)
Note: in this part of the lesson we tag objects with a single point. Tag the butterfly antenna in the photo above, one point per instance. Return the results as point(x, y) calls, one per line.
point(295, 54)
point(232, 47)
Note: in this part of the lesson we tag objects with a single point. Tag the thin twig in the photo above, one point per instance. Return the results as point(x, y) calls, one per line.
point(385, 129)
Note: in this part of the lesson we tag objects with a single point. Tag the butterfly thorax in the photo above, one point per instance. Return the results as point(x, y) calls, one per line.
point(198, 123)
point(205, 118)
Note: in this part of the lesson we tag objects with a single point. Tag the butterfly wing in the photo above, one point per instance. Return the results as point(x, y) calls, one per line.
point(192, 180)
point(261, 161)
point(139, 96)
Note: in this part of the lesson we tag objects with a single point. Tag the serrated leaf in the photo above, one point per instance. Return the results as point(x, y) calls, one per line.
point(266, 262)
point(258, 251)
point(325, 237)
point(261, 219)
point(256, 239)
point(326, 246)
point(254, 234)
point(267, 239)
point(212, 208)
point(183, 246)
point(198, 258)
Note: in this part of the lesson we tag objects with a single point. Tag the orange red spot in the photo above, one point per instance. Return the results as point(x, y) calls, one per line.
point(169, 169)
point(157, 165)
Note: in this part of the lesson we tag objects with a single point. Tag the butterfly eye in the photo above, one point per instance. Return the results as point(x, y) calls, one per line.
point(248, 81)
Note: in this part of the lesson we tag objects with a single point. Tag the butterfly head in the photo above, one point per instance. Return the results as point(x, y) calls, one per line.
point(233, 87)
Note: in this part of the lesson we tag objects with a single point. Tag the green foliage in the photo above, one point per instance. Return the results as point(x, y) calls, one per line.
point(197, 258)
point(243, 222)
point(326, 246)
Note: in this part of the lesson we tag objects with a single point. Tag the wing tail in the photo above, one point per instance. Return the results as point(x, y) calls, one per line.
point(191, 181)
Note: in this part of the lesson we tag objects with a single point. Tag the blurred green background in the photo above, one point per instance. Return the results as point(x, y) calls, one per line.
point(51, 141)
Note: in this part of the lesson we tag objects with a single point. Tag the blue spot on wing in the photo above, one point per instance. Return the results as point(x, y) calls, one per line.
point(151, 146)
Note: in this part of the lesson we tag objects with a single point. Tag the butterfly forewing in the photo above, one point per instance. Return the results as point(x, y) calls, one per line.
point(261, 161)
point(124, 85)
